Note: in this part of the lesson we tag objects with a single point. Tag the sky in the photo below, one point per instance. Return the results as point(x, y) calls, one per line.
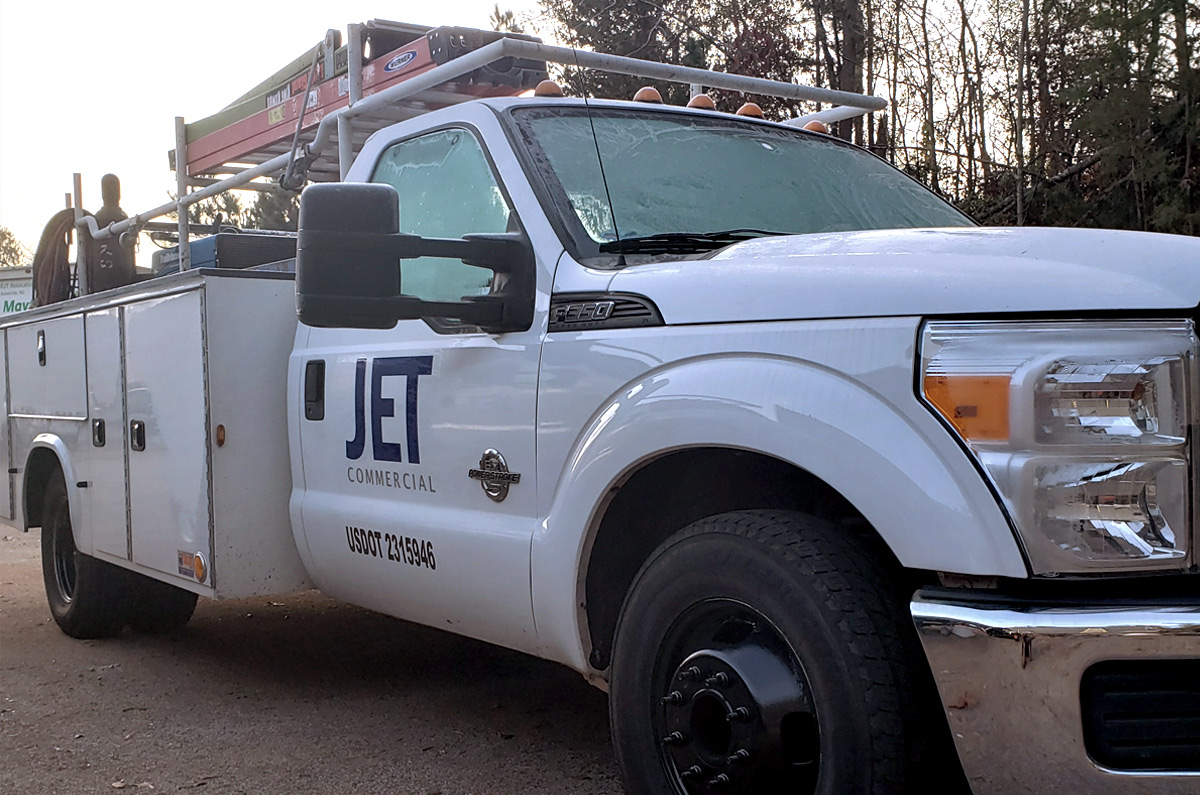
point(95, 87)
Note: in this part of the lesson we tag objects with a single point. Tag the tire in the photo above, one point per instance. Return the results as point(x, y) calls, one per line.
point(766, 652)
point(88, 597)
point(159, 608)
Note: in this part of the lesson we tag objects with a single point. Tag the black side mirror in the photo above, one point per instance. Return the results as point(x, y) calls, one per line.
point(346, 274)
point(348, 265)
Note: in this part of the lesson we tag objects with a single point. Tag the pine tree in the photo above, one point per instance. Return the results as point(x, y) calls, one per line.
point(13, 253)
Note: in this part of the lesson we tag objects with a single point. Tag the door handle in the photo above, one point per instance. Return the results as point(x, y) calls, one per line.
point(314, 390)
point(137, 435)
point(98, 433)
point(41, 347)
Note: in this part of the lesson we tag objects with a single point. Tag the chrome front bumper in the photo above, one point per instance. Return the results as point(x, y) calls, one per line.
point(1009, 678)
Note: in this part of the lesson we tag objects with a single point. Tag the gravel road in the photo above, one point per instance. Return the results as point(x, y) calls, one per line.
point(298, 694)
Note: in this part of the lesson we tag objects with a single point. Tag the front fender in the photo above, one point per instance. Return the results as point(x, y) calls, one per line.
point(885, 454)
point(54, 444)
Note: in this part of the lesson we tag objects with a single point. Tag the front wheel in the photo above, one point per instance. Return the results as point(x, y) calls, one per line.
point(763, 652)
point(88, 598)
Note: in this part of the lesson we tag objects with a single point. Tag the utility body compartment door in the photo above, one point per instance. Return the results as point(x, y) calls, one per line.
point(46, 372)
point(102, 462)
point(47, 392)
point(167, 433)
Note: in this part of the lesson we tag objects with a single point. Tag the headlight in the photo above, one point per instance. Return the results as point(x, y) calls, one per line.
point(1082, 429)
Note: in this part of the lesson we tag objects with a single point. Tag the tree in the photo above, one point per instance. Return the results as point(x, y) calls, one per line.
point(840, 48)
point(505, 20)
point(755, 37)
point(760, 38)
point(1111, 130)
point(13, 253)
point(1137, 118)
point(224, 209)
point(637, 29)
point(276, 210)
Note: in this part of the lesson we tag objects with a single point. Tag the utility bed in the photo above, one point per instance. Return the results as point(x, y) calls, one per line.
point(202, 443)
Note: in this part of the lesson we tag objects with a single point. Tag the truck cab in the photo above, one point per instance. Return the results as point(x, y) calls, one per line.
point(728, 317)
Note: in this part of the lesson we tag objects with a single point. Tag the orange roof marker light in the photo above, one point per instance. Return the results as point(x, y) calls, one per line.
point(648, 94)
point(703, 102)
point(548, 88)
point(750, 109)
point(817, 126)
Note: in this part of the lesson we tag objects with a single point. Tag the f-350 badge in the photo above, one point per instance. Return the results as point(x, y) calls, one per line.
point(494, 476)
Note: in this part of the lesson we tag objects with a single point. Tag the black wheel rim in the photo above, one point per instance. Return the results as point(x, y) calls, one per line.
point(732, 708)
point(64, 555)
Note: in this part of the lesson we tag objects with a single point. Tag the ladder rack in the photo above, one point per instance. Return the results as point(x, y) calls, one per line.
point(282, 112)
point(327, 147)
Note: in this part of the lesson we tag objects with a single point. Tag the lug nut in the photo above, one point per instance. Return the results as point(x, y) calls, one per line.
point(717, 680)
point(691, 772)
point(674, 738)
point(719, 780)
point(739, 756)
point(674, 697)
point(689, 673)
point(741, 713)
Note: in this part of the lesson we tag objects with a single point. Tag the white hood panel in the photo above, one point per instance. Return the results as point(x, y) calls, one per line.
point(924, 272)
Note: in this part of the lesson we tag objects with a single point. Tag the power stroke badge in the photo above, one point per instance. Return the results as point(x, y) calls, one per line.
point(493, 475)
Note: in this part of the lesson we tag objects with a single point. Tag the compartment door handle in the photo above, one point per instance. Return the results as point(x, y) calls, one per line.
point(137, 435)
point(314, 390)
point(41, 347)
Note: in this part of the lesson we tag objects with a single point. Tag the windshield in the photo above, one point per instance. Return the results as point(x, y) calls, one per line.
point(672, 173)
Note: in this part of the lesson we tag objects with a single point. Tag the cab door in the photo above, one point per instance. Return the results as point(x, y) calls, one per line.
point(419, 495)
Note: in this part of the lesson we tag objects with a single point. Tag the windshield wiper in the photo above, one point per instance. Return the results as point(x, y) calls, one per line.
point(683, 242)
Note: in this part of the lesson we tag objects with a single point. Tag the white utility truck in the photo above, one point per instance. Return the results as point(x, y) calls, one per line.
point(831, 489)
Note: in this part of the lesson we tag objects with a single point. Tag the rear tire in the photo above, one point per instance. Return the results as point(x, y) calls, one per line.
point(159, 608)
point(767, 652)
point(88, 597)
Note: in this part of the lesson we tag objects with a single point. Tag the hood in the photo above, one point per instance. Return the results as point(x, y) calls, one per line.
point(924, 272)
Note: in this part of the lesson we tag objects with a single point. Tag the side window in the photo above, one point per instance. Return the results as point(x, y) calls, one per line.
point(446, 189)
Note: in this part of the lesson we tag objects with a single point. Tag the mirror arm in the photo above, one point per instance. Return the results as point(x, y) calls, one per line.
point(507, 253)
point(482, 311)
point(500, 253)
point(346, 244)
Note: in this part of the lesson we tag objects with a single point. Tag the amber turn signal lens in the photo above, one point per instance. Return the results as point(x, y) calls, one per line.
point(750, 109)
point(703, 102)
point(976, 405)
point(817, 126)
point(548, 88)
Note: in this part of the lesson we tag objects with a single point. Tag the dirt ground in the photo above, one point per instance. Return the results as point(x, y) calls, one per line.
point(298, 694)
